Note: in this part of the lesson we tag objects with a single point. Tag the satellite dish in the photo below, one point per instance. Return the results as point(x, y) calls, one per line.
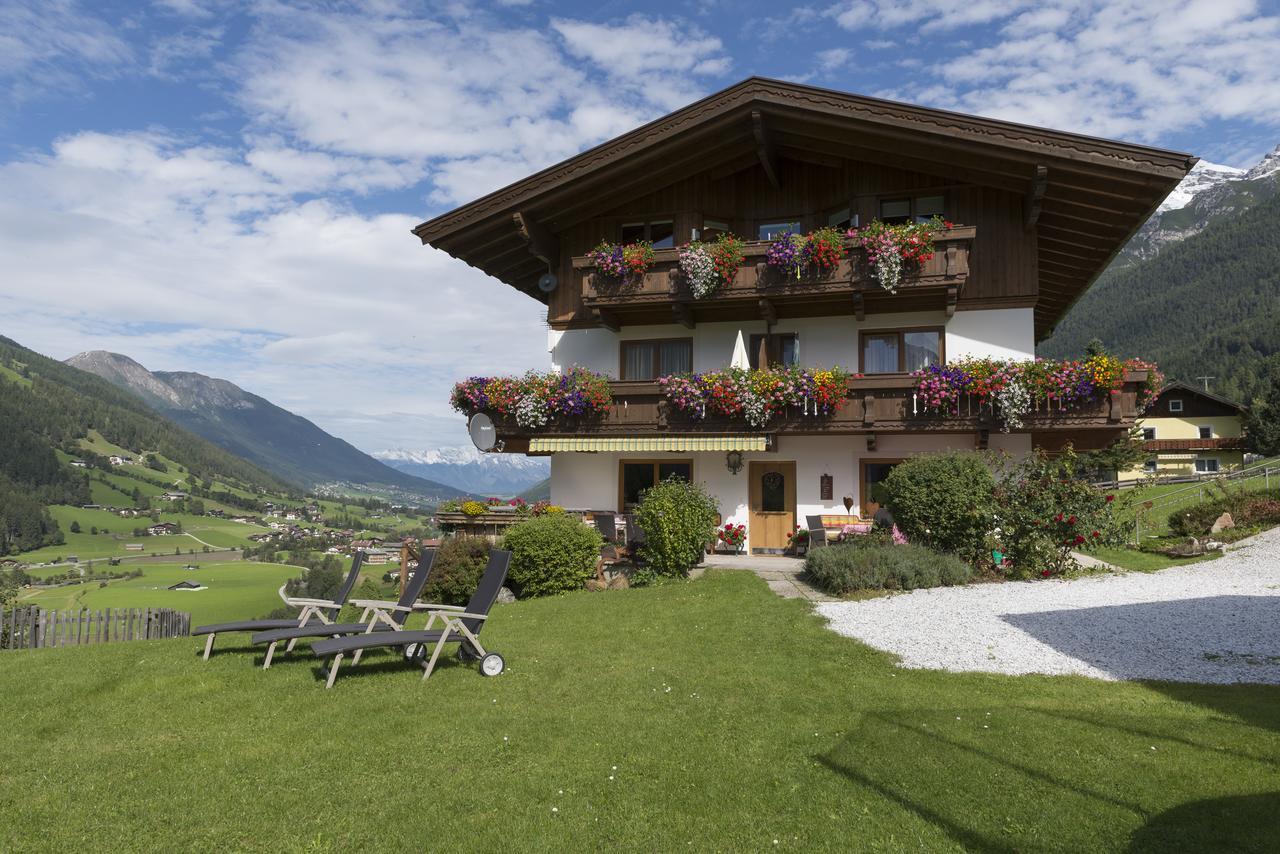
point(547, 282)
point(483, 434)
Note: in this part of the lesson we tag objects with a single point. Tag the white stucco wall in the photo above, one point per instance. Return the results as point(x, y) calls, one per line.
point(824, 341)
point(590, 481)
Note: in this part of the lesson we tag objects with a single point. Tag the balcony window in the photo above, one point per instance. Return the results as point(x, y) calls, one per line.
point(842, 219)
point(712, 229)
point(770, 230)
point(1206, 466)
point(1148, 434)
point(1205, 432)
point(648, 360)
point(660, 232)
point(900, 351)
point(919, 209)
point(635, 476)
point(780, 350)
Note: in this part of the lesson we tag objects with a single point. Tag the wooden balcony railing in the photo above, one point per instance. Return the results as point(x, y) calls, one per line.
point(662, 296)
point(878, 404)
point(1220, 443)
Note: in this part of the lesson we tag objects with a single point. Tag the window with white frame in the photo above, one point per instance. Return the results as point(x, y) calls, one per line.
point(1148, 434)
point(1150, 466)
point(1175, 406)
point(1206, 466)
point(1205, 432)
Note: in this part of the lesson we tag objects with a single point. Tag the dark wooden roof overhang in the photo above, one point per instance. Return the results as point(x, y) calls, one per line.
point(1083, 196)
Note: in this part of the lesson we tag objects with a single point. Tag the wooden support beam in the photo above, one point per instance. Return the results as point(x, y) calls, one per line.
point(859, 306)
point(542, 244)
point(868, 410)
point(764, 149)
point(683, 315)
point(1035, 196)
point(953, 298)
point(982, 439)
point(871, 441)
point(768, 312)
point(607, 319)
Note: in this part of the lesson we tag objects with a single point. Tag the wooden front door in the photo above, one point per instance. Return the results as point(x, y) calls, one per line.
point(773, 505)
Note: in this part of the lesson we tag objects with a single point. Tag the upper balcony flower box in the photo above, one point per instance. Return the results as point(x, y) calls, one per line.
point(661, 295)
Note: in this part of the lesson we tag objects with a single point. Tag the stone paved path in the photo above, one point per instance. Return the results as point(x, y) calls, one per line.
point(782, 574)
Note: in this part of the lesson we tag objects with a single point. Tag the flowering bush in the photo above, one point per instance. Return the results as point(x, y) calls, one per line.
point(733, 535)
point(757, 395)
point(798, 537)
point(1044, 511)
point(474, 508)
point(536, 397)
point(1014, 388)
point(615, 261)
point(890, 247)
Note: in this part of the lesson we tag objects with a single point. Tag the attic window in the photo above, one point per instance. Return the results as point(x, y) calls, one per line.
point(1175, 406)
point(842, 219)
point(770, 230)
point(928, 207)
point(895, 210)
point(713, 228)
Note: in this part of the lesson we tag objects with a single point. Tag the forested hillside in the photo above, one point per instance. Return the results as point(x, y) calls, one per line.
point(1208, 306)
point(47, 407)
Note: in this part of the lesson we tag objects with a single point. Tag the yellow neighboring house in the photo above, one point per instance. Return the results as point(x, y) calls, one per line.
point(1189, 431)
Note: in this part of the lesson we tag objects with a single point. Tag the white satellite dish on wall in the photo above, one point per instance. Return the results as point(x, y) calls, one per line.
point(483, 434)
point(547, 282)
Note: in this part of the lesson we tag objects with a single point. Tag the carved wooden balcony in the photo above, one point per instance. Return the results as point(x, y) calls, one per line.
point(876, 405)
point(662, 296)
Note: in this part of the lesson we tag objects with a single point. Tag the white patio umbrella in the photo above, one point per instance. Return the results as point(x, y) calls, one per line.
point(740, 359)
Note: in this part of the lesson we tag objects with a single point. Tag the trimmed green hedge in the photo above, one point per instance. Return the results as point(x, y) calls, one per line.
point(944, 500)
point(842, 569)
point(554, 553)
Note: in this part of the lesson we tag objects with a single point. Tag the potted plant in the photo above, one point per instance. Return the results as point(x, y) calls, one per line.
point(733, 536)
point(798, 541)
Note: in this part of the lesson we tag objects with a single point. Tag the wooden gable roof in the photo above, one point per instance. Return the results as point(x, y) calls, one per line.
point(1084, 196)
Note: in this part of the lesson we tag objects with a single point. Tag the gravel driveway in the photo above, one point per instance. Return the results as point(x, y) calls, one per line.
point(1210, 622)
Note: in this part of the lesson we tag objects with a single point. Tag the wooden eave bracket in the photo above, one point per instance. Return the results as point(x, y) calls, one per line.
point(982, 439)
point(868, 410)
point(607, 319)
point(764, 149)
point(542, 244)
point(953, 298)
point(683, 315)
point(871, 441)
point(859, 306)
point(1035, 196)
point(768, 312)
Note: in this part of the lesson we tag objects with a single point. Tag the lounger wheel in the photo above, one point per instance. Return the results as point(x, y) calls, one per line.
point(466, 653)
point(492, 664)
point(414, 651)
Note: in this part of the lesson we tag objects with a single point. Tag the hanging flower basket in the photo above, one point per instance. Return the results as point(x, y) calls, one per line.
point(891, 248)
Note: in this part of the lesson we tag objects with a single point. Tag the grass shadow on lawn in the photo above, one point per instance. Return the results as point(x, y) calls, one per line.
point(1236, 823)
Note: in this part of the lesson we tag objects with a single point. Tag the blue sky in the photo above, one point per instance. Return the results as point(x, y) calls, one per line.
point(228, 187)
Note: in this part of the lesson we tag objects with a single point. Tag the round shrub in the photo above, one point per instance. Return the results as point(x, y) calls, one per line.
point(475, 508)
point(679, 521)
point(944, 501)
point(845, 569)
point(456, 571)
point(551, 554)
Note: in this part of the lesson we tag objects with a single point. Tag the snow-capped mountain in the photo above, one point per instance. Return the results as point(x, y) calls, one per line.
point(467, 469)
point(1209, 192)
point(1203, 176)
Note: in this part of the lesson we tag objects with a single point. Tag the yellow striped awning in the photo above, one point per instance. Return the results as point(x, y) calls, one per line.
point(650, 444)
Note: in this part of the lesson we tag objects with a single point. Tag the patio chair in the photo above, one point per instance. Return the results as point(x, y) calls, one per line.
point(314, 611)
point(460, 626)
point(606, 526)
point(378, 615)
point(817, 533)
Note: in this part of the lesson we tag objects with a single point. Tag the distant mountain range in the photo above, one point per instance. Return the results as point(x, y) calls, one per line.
point(287, 445)
point(467, 468)
point(1208, 193)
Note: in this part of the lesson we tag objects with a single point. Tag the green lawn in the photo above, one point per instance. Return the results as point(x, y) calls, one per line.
point(1140, 561)
point(235, 591)
point(710, 715)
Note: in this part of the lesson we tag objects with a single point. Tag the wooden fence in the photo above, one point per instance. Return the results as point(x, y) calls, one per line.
point(31, 627)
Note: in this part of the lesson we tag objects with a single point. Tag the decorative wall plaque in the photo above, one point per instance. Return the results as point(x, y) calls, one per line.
point(826, 488)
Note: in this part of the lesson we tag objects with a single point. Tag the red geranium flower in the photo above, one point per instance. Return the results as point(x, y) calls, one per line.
point(1110, 498)
point(1071, 521)
point(1079, 539)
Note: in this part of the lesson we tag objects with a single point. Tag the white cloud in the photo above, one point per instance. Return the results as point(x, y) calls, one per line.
point(833, 59)
point(48, 45)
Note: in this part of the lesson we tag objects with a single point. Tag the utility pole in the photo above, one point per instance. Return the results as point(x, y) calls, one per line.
point(1205, 380)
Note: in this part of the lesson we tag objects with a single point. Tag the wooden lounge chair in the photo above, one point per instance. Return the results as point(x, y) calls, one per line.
point(378, 615)
point(456, 626)
point(314, 611)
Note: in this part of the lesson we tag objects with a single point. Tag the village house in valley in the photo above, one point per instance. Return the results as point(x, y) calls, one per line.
point(1190, 431)
point(1024, 219)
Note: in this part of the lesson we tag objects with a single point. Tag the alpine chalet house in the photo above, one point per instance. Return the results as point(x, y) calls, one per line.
point(781, 291)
